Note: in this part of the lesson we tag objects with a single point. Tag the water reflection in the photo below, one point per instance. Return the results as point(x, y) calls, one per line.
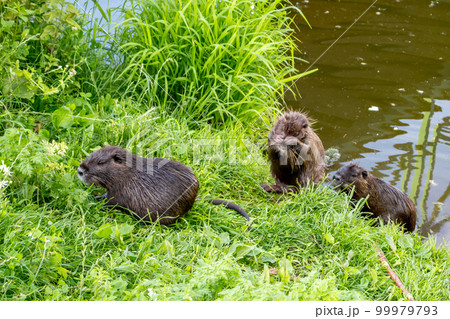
point(418, 162)
point(382, 94)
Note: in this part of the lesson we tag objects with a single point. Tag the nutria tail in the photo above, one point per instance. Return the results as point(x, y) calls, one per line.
point(232, 206)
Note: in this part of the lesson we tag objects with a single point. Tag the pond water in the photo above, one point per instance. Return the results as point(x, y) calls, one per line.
point(381, 94)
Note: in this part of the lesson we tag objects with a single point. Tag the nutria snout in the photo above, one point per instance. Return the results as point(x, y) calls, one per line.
point(295, 152)
point(384, 200)
point(151, 189)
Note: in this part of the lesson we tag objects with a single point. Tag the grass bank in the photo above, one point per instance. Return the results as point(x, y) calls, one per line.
point(62, 245)
point(57, 243)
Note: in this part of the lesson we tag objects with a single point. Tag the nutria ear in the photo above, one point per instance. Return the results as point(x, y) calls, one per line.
point(364, 174)
point(117, 158)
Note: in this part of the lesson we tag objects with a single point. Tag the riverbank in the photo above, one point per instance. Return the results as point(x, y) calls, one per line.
point(57, 243)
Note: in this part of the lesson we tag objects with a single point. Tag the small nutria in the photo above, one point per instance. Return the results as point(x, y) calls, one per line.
point(150, 189)
point(385, 201)
point(296, 154)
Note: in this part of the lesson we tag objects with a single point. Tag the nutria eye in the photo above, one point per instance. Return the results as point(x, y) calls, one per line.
point(117, 159)
point(101, 162)
point(305, 125)
point(354, 175)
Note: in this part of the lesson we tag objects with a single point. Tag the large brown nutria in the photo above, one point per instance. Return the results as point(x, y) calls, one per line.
point(384, 201)
point(151, 189)
point(295, 152)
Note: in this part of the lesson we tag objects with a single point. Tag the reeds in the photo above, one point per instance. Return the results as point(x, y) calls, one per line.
point(208, 60)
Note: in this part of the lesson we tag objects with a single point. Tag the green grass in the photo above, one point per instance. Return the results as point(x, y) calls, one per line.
point(62, 245)
point(58, 243)
point(208, 61)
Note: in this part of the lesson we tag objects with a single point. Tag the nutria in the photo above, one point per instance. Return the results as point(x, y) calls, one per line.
point(295, 152)
point(384, 201)
point(150, 189)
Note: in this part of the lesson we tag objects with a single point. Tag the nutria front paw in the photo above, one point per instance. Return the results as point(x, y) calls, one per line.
point(280, 189)
point(267, 188)
point(100, 198)
point(273, 188)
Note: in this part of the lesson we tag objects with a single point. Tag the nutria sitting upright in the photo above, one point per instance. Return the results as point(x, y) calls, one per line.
point(295, 152)
point(385, 201)
point(152, 188)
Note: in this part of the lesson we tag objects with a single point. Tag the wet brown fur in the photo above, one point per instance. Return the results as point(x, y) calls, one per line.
point(295, 152)
point(384, 201)
point(150, 189)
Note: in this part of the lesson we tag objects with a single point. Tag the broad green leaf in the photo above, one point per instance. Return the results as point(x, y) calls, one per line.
point(242, 250)
point(268, 257)
point(329, 238)
point(225, 238)
point(125, 229)
point(55, 259)
point(73, 23)
point(44, 133)
point(62, 117)
point(407, 241)
point(119, 284)
point(49, 31)
point(129, 268)
point(71, 9)
point(18, 86)
point(104, 231)
point(7, 24)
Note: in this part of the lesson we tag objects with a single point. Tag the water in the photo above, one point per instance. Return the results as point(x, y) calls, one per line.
point(382, 94)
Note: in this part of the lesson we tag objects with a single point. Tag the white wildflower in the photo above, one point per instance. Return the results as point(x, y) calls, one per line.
point(72, 72)
point(4, 184)
point(151, 293)
point(5, 169)
point(74, 28)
